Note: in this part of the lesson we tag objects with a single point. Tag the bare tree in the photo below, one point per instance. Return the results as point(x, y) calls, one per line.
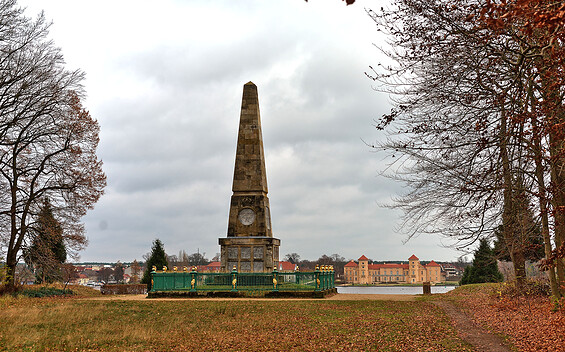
point(47, 140)
point(198, 259)
point(468, 133)
point(294, 258)
point(119, 272)
point(69, 273)
point(105, 274)
point(135, 270)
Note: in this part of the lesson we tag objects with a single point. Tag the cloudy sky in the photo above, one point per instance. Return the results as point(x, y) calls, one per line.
point(164, 80)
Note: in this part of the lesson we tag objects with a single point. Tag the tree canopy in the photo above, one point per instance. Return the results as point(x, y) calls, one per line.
point(48, 140)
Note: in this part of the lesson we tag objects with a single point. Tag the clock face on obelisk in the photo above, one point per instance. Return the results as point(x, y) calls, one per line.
point(246, 216)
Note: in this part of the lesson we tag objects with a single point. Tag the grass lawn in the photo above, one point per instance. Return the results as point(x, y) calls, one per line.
point(66, 324)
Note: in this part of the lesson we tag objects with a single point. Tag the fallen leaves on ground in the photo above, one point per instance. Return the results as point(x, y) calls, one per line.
point(531, 322)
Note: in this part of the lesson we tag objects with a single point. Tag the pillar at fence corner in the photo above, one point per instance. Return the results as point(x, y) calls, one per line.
point(427, 287)
point(249, 245)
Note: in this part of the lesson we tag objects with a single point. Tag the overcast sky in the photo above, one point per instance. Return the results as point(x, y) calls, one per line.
point(164, 79)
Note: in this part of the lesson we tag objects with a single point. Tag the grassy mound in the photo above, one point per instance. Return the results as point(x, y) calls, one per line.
point(44, 292)
point(55, 290)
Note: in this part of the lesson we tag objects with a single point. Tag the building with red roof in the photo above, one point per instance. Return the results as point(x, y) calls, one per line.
point(213, 267)
point(286, 266)
point(81, 279)
point(412, 272)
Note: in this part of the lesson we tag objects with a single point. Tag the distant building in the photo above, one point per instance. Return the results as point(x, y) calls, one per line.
point(410, 273)
point(451, 272)
point(81, 279)
point(286, 266)
point(213, 267)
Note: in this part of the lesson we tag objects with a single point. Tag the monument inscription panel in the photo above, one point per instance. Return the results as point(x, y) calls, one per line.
point(245, 252)
point(232, 252)
point(258, 267)
point(245, 266)
point(258, 253)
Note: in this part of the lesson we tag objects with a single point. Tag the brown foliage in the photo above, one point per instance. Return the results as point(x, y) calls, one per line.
point(531, 321)
point(550, 262)
point(536, 14)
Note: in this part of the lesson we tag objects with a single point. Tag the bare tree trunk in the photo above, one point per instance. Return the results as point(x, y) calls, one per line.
point(545, 228)
point(519, 262)
point(557, 171)
point(509, 210)
point(542, 196)
point(558, 201)
point(11, 262)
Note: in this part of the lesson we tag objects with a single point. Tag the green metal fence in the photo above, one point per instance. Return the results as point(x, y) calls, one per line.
point(193, 281)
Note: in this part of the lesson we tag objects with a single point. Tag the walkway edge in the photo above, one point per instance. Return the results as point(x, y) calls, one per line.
point(467, 330)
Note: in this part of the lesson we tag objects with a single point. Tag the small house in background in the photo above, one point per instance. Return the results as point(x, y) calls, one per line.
point(81, 279)
point(452, 273)
point(213, 267)
point(286, 266)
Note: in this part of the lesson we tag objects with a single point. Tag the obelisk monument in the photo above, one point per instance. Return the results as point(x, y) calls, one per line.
point(249, 245)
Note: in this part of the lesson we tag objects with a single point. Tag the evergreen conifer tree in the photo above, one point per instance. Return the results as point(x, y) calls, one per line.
point(157, 258)
point(465, 278)
point(532, 245)
point(47, 252)
point(484, 268)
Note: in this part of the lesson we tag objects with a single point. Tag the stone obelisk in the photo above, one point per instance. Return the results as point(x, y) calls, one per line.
point(249, 245)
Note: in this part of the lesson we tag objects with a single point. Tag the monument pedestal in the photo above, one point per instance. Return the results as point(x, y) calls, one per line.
point(250, 254)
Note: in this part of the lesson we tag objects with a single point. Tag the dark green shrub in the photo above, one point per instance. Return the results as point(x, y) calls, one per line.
point(44, 292)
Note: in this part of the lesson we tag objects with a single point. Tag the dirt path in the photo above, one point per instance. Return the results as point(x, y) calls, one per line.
point(373, 297)
point(467, 330)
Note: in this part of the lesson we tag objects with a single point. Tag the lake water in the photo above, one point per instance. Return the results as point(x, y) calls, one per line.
point(391, 290)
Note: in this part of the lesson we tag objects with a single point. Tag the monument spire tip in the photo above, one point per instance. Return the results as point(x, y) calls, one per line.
point(249, 83)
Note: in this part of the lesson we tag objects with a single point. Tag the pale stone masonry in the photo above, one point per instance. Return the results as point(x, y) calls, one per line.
point(249, 245)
